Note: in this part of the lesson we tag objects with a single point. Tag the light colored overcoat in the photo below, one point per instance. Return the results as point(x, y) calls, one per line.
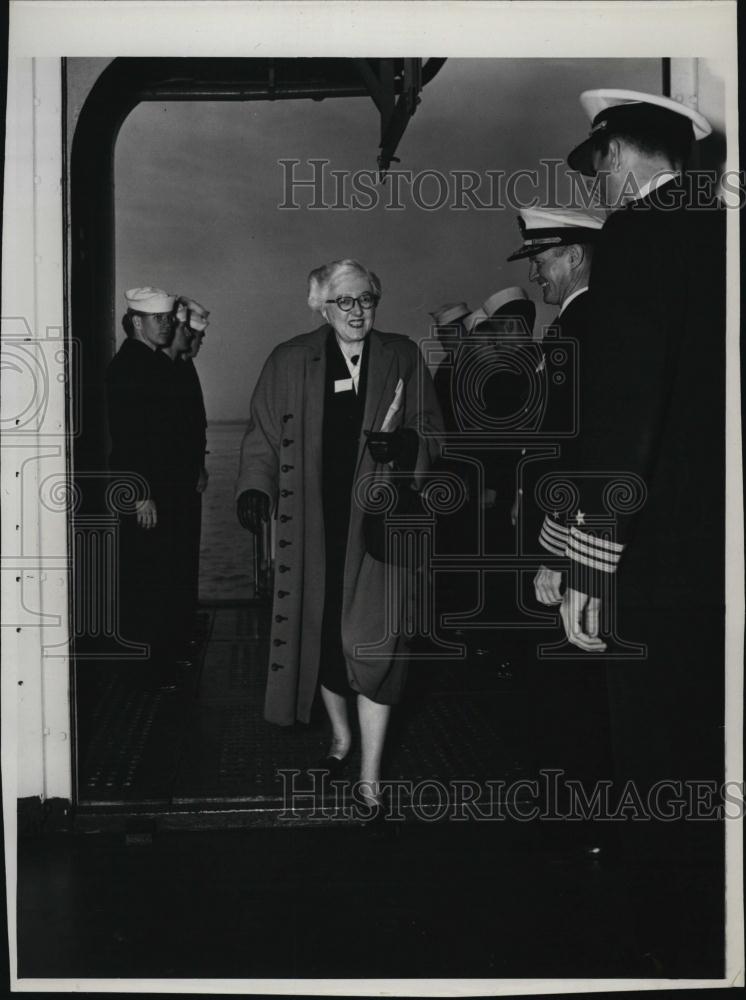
point(281, 456)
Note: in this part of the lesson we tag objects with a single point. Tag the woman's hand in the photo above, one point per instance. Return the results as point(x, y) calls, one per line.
point(147, 514)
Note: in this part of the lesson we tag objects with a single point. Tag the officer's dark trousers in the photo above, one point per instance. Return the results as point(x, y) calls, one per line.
point(667, 711)
point(666, 717)
point(569, 725)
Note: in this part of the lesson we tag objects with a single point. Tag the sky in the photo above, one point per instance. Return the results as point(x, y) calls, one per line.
point(199, 187)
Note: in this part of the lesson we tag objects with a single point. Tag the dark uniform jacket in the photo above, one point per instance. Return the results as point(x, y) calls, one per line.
point(142, 424)
point(191, 401)
point(560, 419)
point(652, 393)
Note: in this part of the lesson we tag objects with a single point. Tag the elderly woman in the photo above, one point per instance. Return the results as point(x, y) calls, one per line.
point(303, 453)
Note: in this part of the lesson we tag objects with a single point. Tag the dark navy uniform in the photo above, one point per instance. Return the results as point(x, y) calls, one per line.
point(144, 440)
point(568, 698)
point(652, 400)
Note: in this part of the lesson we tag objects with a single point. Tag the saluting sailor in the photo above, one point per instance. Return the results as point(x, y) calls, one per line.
point(195, 316)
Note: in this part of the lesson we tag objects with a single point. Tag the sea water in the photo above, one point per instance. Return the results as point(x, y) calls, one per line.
point(227, 549)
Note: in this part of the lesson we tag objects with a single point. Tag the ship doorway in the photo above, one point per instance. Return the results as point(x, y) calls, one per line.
point(177, 168)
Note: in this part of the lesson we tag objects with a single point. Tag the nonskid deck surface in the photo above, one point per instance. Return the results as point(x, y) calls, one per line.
point(206, 751)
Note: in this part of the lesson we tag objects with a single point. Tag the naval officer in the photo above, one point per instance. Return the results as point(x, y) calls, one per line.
point(569, 716)
point(652, 394)
point(558, 245)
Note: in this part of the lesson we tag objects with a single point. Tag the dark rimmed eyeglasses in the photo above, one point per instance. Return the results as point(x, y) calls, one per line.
point(346, 302)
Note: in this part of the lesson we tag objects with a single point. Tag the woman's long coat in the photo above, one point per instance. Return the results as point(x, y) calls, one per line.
point(281, 456)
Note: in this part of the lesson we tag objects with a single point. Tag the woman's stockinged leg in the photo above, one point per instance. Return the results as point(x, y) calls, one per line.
point(374, 719)
point(336, 709)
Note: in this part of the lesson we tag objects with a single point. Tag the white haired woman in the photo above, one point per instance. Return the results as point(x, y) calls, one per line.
point(303, 452)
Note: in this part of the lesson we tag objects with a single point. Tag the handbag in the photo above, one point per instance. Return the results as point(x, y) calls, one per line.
point(379, 528)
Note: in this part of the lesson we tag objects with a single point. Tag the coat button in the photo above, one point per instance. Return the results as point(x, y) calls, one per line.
point(278, 666)
point(286, 417)
point(283, 593)
point(286, 442)
point(287, 468)
point(283, 543)
point(285, 517)
point(279, 642)
point(281, 618)
point(283, 569)
point(286, 493)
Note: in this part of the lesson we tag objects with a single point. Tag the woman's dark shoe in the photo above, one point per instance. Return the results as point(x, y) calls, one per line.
point(334, 765)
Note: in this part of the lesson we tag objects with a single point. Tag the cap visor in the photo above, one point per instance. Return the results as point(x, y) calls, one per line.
point(581, 158)
point(522, 252)
point(525, 252)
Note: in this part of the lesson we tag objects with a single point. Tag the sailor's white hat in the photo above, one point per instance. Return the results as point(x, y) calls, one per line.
point(511, 303)
point(197, 313)
point(503, 298)
point(473, 318)
point(451, 312)
point(149, 300)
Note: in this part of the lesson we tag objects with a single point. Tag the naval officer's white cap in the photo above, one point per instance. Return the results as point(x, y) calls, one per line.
point(612, 110)
point(451, 312)
point(149, 300)
point(543, 228)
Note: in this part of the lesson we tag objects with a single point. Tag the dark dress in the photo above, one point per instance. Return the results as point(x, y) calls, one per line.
point(343, 417)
